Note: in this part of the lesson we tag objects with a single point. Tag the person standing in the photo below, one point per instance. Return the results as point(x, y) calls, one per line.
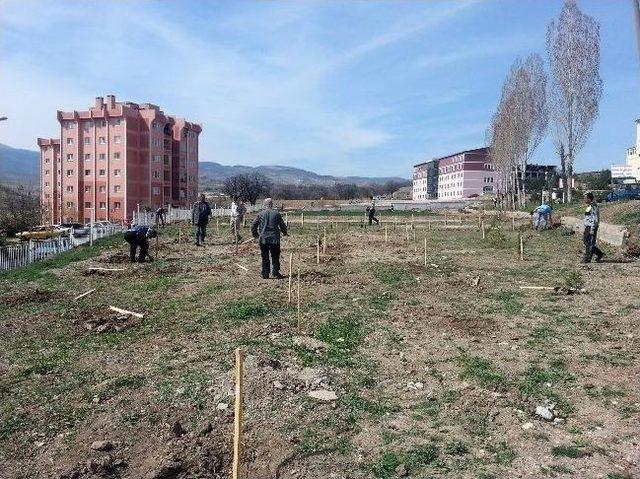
point(238, 210)
point(371, 211)
point(591, 224)
point(138, 237)
point(200, 218)
point(161, 216)
point(267, 227)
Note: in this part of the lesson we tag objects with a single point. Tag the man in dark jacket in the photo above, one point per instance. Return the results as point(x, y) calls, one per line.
point(138, 237)
point(161, 215)
point(200, 218)
point(267, 227)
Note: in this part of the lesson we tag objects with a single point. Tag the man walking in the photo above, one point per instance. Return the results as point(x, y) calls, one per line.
point(138, 237)
point(267, 227)
point(591, 223)
point(371, 211)
point(238, 210)
point(200, 218)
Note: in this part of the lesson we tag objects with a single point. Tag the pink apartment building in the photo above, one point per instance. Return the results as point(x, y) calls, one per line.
point(116, 157)
point(465, 174)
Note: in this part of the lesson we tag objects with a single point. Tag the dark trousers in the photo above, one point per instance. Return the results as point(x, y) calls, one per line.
point(274, 251)
point(590, 247)
point(159, 220)
point(372, 217)
point(201, 232)
point(134, 244)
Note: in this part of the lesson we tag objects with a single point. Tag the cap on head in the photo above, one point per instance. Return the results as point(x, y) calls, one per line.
point(589, 196)
point(268, 203)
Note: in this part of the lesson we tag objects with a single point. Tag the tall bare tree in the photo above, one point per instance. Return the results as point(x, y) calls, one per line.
point(573, 46)
point(518, 126)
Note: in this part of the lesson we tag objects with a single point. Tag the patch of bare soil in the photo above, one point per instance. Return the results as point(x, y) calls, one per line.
point(34, 296)
point(109, 323)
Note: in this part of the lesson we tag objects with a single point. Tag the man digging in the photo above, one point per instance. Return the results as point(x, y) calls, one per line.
point(267, 228)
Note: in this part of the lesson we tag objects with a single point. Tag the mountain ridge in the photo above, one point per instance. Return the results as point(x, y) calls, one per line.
point(21, 166)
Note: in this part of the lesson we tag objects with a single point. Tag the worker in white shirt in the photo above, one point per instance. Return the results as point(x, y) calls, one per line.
point(238, 210)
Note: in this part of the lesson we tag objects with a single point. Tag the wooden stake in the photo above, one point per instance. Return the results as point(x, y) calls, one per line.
point(521, 240)
point(217, 225)
point(482, 227)
point(237, 424)
point(290, 275)
point(80, 296)
point(318, 251)
point(385, 233)
point(298, 293)
point(429, 225)
point(324, 241)
point(446, 218)
point(425, 250)
point(95, 268)
point(241, 267)
point(301, 220)
point(286, 219)
point(513, 223)
point(479, 221)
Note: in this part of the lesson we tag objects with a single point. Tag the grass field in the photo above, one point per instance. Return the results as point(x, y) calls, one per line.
point(438, 369)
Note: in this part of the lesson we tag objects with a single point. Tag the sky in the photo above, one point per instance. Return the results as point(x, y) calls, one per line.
point(349, 87)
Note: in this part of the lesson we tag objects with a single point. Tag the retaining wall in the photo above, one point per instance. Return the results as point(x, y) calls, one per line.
point(615, 235)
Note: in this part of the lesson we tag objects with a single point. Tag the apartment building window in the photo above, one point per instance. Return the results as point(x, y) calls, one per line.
point(116, 172)
point(102, 189)
point(69, 189)
point(156, 191)
point(87, 172)
point(117, 139)
point(116, 189)
point(118, 121)
point(116, 155)
point(69, 204)
point(87, 156)
point(87, 188)
point(46, 183)
point(88, 125)
point(116, 205)
point(102, 123)
point(46, 160)
point(47, 195)
point(69, 172)
point(102, 140)
point(87, 140)
point(69, 156)
point(101, 172)
point(157, 158)
point(154, 124)
point(103, 205)
point(87, 204)
point(69, 125)
point(156, 174)
point(69, 141)
point(102, 156)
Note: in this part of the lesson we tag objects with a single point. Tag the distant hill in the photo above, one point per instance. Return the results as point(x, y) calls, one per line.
point(19, 167)
point(215, 173)
point(22, 167)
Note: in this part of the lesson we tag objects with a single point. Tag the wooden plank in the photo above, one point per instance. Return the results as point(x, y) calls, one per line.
point(80, 296)
point(124, 311)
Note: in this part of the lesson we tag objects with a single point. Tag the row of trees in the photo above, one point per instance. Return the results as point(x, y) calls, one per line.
point(19, 210)
point(568, 98)
point(251, 186)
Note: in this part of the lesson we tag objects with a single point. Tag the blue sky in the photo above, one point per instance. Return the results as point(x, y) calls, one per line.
point(352, 87)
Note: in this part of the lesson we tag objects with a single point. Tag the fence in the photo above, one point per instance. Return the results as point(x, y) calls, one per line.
point(16, 256)
point(148, 218)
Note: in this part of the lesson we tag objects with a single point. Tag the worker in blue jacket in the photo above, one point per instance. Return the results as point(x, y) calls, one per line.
point(542, 217)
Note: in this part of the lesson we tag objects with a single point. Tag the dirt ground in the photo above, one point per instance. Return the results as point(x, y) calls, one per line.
point(397, 363)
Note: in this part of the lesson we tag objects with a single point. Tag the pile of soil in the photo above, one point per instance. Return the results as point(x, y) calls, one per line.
point(110, 323)
point(35, 296)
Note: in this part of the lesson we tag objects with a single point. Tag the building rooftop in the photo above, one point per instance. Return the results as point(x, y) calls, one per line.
point(484, 149)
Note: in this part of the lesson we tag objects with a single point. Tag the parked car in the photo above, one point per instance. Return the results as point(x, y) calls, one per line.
point(42, 232)
point(618, 195)
point(78, 229)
